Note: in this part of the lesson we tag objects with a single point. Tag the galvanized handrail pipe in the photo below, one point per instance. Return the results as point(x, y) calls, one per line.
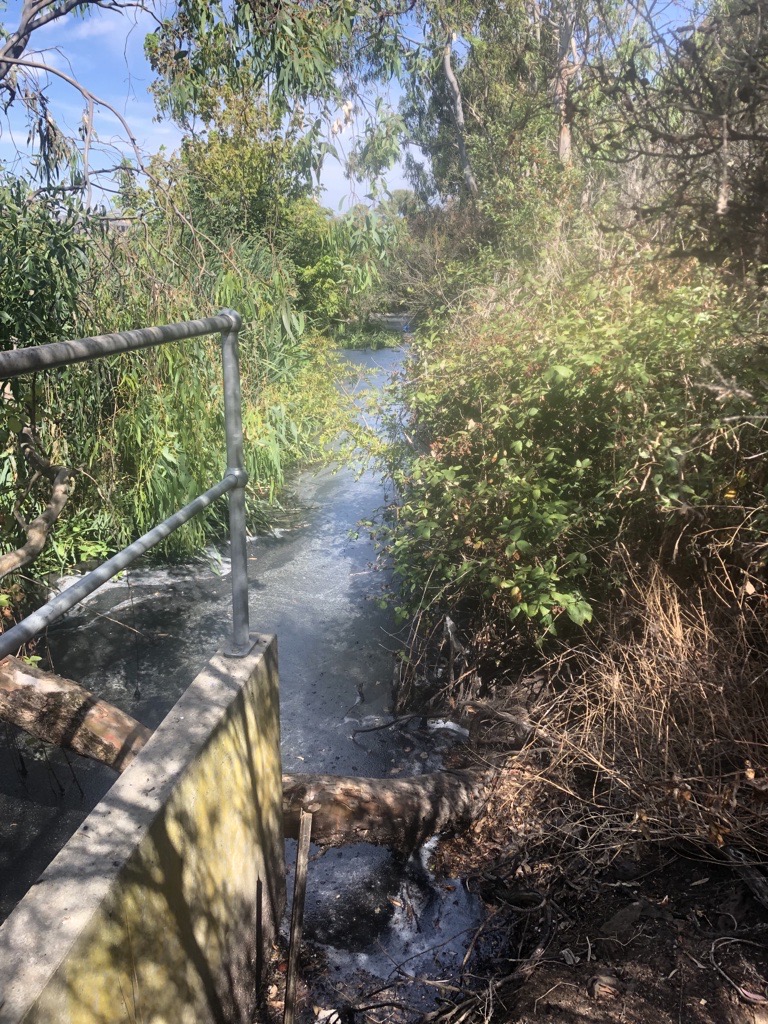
point(63, 353)
point(238, 552)
point(13, 638)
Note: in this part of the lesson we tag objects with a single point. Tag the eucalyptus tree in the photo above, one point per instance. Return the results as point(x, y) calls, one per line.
point(507, 88)
point(687, 111)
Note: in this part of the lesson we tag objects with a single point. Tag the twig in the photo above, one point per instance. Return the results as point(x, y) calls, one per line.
point(749, 997)
point(461, 1010)
point(387, 725)
point(569, 984)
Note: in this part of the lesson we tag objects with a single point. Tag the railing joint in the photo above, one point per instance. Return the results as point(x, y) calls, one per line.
point(235, 319)
point(240, 476)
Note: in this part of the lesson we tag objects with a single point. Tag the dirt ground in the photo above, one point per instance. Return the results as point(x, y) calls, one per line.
point(655, 936)
point(662, 940)
point(661, 949)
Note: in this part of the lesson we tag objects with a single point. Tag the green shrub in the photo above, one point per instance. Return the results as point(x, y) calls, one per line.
point(144, 432)
point(554, 435)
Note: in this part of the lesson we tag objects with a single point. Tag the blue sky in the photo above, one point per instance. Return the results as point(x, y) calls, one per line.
point(104, 51)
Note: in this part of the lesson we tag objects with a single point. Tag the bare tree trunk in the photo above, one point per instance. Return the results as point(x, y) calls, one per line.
point(60, 711)
point(399, 813)
point(457, 110)
point(536, 13)
point(568, 64)
point(724, 191)
point(564, 142)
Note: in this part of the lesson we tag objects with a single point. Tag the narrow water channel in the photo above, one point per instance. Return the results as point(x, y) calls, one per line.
point(140, 641)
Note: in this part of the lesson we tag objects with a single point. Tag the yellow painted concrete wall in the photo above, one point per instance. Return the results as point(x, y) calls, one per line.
point(175, 929)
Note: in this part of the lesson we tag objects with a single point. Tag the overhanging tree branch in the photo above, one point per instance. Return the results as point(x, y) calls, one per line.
point(38, 530)
point(34, 15)
point(93, 101)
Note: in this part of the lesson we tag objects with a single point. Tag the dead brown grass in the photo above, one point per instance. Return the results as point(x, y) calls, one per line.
point(668, 715)
point(646, 740)
point(658, 732)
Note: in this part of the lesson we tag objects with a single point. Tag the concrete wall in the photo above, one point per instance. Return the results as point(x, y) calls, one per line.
point(159, 908)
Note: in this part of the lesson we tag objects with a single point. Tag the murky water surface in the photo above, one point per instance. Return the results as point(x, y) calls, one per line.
point(140, 641)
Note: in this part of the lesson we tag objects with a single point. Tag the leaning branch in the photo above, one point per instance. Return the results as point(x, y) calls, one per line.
point(93, 102)
point(38, 530)
point(35, 14)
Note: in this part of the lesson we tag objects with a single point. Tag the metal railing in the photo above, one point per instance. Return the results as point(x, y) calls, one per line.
point(63, 353)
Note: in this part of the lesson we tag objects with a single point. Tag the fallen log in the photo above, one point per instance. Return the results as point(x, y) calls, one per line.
point(61, 712)
point(399, 813)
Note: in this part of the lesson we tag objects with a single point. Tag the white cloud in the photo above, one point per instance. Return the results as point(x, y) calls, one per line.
point(12, 140)
point(104, 51)
point(94, 27)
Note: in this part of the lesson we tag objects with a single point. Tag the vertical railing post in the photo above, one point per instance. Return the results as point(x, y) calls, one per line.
point(233, 422)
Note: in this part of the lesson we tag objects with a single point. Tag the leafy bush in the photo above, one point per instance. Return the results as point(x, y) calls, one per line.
point(137, 450)
point(550, 433)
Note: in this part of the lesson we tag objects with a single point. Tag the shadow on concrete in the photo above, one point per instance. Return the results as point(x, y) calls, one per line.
point(161, 905)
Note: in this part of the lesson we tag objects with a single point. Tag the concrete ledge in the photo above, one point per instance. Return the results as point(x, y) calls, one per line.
point(159, 908)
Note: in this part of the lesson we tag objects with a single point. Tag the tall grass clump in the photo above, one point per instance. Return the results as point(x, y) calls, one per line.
point(655, 736)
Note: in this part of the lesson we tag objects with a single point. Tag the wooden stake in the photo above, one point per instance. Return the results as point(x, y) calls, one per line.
point(297, 915)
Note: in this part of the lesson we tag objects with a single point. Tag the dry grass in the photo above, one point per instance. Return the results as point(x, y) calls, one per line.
point(654, 730)
point(659, 732)
point(652, 734)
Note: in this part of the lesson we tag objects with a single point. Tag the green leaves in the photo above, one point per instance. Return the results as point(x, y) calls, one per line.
point(42, 263)
point(139, 452)
point(548, 441)
point(289, 51)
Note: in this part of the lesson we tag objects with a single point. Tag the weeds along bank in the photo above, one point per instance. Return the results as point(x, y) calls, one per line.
point(581, 480)
point(556, 433)
point(579, 543)
point(144, 433)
